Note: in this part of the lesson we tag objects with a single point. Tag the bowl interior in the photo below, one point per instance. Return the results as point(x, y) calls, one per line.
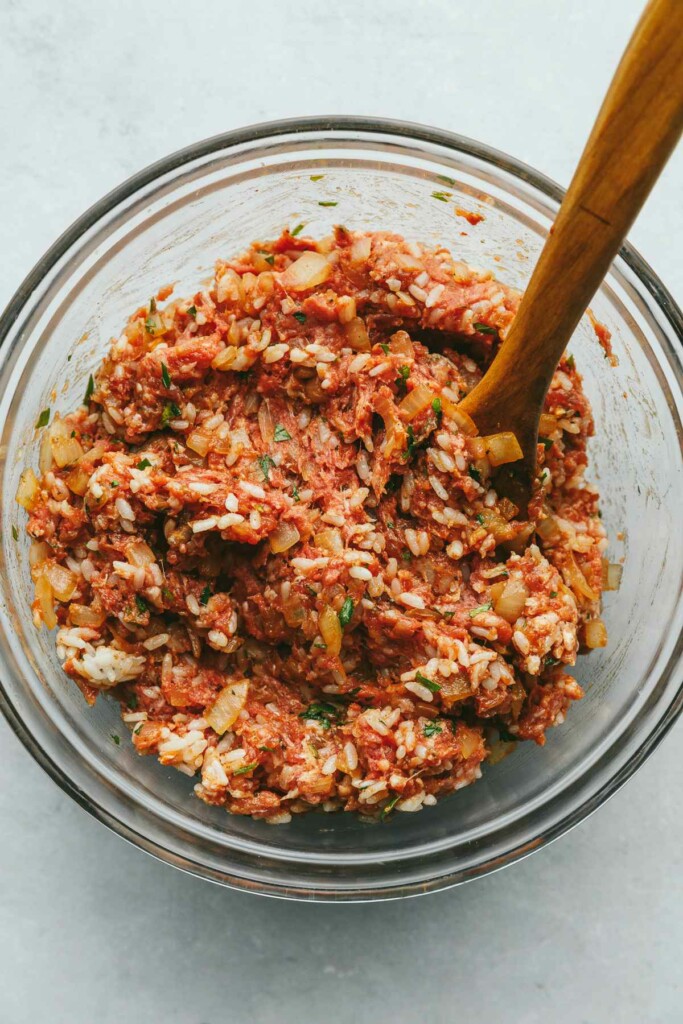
point(172, 230)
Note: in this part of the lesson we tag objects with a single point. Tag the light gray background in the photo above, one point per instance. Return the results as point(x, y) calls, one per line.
point(92, 930)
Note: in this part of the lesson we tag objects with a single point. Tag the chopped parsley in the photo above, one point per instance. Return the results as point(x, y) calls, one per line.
point(550, 661)
point(570, 362)
point(545, 441)
point(553, 593)
point(320, 712)
point(297, 230)
point(150, 325)
point(446, 180)
point(406, 555)
point(443, 197)
point(436, 406)
point(388, 807)
point(480, 519)
point(391, 525)
point(295, 493)
point(144, 464)
point(269, 257)
point(401, 380)
point(281, 433)
point(384, 347)
point(301, 317)
point(141, 604)
point(269, 750)
point(485, 329)
point(192, 311)
point(429, 683)
point(116, 739)
point(114, 483)
point(43, 419)
point(132, 701)
point(317, 177)
point(89, 390)
point(165, 376)
point(265, 462)
point(327, 203)
point(15, 532)
point(412, 444)
point(480, 608)
point(445, 614)
point(171, 412)
point(167, 594)
point(205, 595)
point(475, 474)
point(432, 728)
point(246, 768)
point(345, 612)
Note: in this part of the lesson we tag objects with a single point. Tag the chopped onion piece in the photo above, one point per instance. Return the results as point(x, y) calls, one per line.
point(400, 343)
point(502, 448)
point(576, 580)
point(199, 441)
point(611, 575)
point(356, 335)
point(283, 537)
point(311, 269)
point(330, 540)
point(140, 554)
point(227, 706)
point(463, 422)
point(548, 530)
point(62, 581)
point(512, 600)
point(84, 615)
point(469, 743)
point(38, 553)
point(595, 634)
point(77, 481)
point(419, 399)
point(27, 491)
point(330, 629)
point(45, 602)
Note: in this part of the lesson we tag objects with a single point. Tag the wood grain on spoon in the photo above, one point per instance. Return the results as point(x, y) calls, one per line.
point(640, 121)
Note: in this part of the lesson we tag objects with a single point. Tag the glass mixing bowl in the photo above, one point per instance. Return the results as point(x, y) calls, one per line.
point(168, 224)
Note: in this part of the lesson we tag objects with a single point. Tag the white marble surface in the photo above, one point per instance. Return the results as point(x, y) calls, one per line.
point(585, 932)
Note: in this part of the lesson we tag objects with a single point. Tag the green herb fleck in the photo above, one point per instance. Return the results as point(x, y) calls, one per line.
point(15, 532)
point(436, 406)
point(270, 750)
point(346, 612)
point(446, 180)
point(141, 604)
point(388, 807)
point(412, 444)
point(480, 608)
point(89, 390)
point(152, 305)
point(432, 728)
point(116, 739)
point(546, 442)
point(475, 474)
point(69, 357)
point(327, 204)
point(281, 433)
point(384, 347)
point(443, 197)
point(265, 462)
point(401, 380)
point(165, 376)
point(167, 594)
point(319, 643)
point(480, 519)
point(43, 419)
point(406, 555)
point(553, 593)
point(144, 464)
point(320, 712)
point(550, 661)
point(297, 230)
point(391, 524)
point(114, 483)
point(485, 329)
point(317, 177)
point(429, 683)
point(192, 311)
point(170, 412)
point(301, 317)
point(246, 768)
point(445, 614)
point(570, 362)
point(269, 257)
point(132, 701)
point(295, 493)
point(205, 595)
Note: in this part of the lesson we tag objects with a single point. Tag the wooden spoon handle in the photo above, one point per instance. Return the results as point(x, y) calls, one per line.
point(637, 128)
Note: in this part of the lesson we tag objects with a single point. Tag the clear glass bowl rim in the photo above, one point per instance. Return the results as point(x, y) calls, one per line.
point(364, 127)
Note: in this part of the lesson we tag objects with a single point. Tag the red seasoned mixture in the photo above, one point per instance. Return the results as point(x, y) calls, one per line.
point(271, 535)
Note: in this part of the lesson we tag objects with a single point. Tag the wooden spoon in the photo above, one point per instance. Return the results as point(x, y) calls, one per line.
point(636, 130)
